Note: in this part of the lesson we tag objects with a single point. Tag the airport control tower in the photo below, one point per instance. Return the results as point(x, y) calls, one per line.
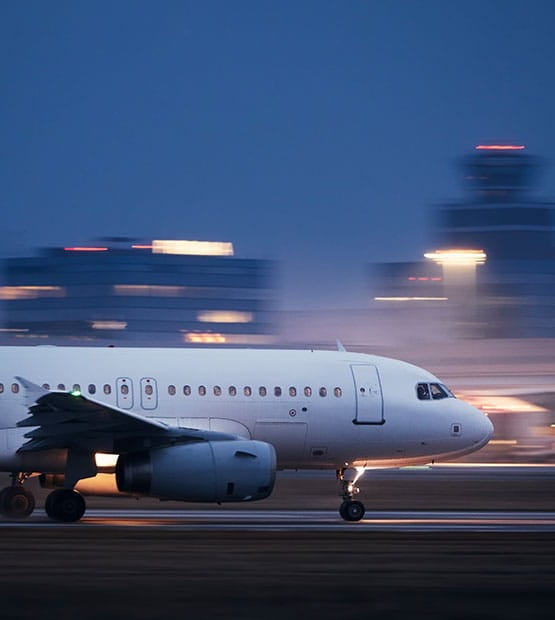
point(499, 213)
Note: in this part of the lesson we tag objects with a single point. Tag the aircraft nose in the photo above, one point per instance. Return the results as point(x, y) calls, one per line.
point(483, 427)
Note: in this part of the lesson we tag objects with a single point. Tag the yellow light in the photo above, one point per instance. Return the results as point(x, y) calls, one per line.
point(457, 257)
point(198, 248)
point(204, 338)
point(30, 292)
point(103, 459)
point(500, 147)
point(224, 316)
point(112, 325)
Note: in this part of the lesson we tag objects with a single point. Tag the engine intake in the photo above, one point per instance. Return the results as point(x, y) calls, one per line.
point(208, 471)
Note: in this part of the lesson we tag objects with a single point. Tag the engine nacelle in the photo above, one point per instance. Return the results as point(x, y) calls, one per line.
point(208, 471)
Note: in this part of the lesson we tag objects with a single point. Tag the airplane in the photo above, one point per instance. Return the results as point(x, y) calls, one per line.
point(214, 425)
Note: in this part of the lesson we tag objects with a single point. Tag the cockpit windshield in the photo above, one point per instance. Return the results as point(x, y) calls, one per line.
point(433, 391)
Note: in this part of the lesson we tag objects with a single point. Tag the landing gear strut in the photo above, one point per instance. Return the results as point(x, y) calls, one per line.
point(350, 509)
point(15, 501)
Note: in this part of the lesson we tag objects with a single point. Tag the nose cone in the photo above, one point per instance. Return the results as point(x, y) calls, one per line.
point(482, 429)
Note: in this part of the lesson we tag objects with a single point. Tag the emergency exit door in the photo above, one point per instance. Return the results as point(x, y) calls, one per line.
point(369, 401)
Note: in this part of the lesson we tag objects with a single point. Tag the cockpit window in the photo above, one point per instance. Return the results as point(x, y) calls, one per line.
point(423, 391)
point(433, 391)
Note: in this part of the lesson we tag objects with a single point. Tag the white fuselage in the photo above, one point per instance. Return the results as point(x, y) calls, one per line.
point(320, 409)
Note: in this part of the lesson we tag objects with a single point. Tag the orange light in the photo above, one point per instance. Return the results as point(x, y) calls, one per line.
point(142, 247)
point(83, 249)
point(500, 147)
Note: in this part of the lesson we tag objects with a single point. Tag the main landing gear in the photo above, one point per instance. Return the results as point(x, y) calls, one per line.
point(16, 502)
point(350, 509)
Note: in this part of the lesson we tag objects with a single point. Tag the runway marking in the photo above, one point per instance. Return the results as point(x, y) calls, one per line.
point(286, 520)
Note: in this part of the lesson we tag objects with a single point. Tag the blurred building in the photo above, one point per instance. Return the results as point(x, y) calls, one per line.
point(493, 274)
point(125, 292)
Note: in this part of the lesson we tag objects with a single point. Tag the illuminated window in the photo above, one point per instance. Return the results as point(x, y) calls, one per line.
point(202, 390)
point(323, 392)
point(262, 391)
point(337, 392)
point(15, 388)
point(107, 389)
point(247, 391)
point(277, 391)
point(308, 391)
point(46, 386)
point(76, 387)
point(61, 387)
point(292, 391)
point(92, 388)
point(187, 390)
point(217, 390)
point(232, 390)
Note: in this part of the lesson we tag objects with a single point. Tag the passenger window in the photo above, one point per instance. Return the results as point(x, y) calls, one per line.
point(337, 392)
point(323, 392)
point(1, 388)
point(92, 388)
point(217, 390)
point(277, 391)
point(308, 391)
point(107, 389)
point(124, 389)
point(202, 390)
point(15, 388)
point(232, 390)
point(437, 391)
point(262, 391)
point(61, 386)
point(171, 390)
point(149, 390)
point(77, 388)
point(247, 391)
point(423, 391)
point(187, 390)
point(292, 391)
point(46, 386)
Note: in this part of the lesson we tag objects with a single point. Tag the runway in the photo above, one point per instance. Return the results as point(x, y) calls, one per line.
point(218, 520)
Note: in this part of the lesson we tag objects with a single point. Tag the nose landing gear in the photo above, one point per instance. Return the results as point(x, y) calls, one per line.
point(350, 509)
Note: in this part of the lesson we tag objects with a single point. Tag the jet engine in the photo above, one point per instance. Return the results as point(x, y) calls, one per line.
point(207, 471)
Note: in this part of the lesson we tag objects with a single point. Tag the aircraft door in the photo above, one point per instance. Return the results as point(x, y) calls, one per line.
point(124, 393)
point(369, 401)
point(149, 393)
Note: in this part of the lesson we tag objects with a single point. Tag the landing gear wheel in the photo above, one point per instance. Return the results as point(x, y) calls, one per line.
point(351, 510)
point(65, 505)
point(16, 502)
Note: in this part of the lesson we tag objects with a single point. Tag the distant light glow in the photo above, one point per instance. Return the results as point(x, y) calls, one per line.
point(196, 248)
point(457, 257)
point(411, 298)
point(204, 338)
point(109, 325)
point(148, 290)
point(13, 330)
point(224, 316)
point(141, 247)
point(500, 147)
point(85, 249)
point(500, 404)
point(30, 292)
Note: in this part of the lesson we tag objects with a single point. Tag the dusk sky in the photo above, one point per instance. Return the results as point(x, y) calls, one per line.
point(315, 132)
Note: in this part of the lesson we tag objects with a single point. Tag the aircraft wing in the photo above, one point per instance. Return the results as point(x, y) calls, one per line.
point(68, 420)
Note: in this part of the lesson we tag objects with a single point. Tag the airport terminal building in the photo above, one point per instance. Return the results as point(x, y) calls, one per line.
point(126, 292)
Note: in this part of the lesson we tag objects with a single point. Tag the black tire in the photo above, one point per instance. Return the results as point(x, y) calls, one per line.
point(65, 505)
point(352, 510)
point(16, 502)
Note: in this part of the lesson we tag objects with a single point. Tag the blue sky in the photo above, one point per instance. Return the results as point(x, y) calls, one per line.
point(314, 132)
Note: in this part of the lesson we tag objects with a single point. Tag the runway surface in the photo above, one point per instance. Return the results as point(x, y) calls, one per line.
point(218, 520)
